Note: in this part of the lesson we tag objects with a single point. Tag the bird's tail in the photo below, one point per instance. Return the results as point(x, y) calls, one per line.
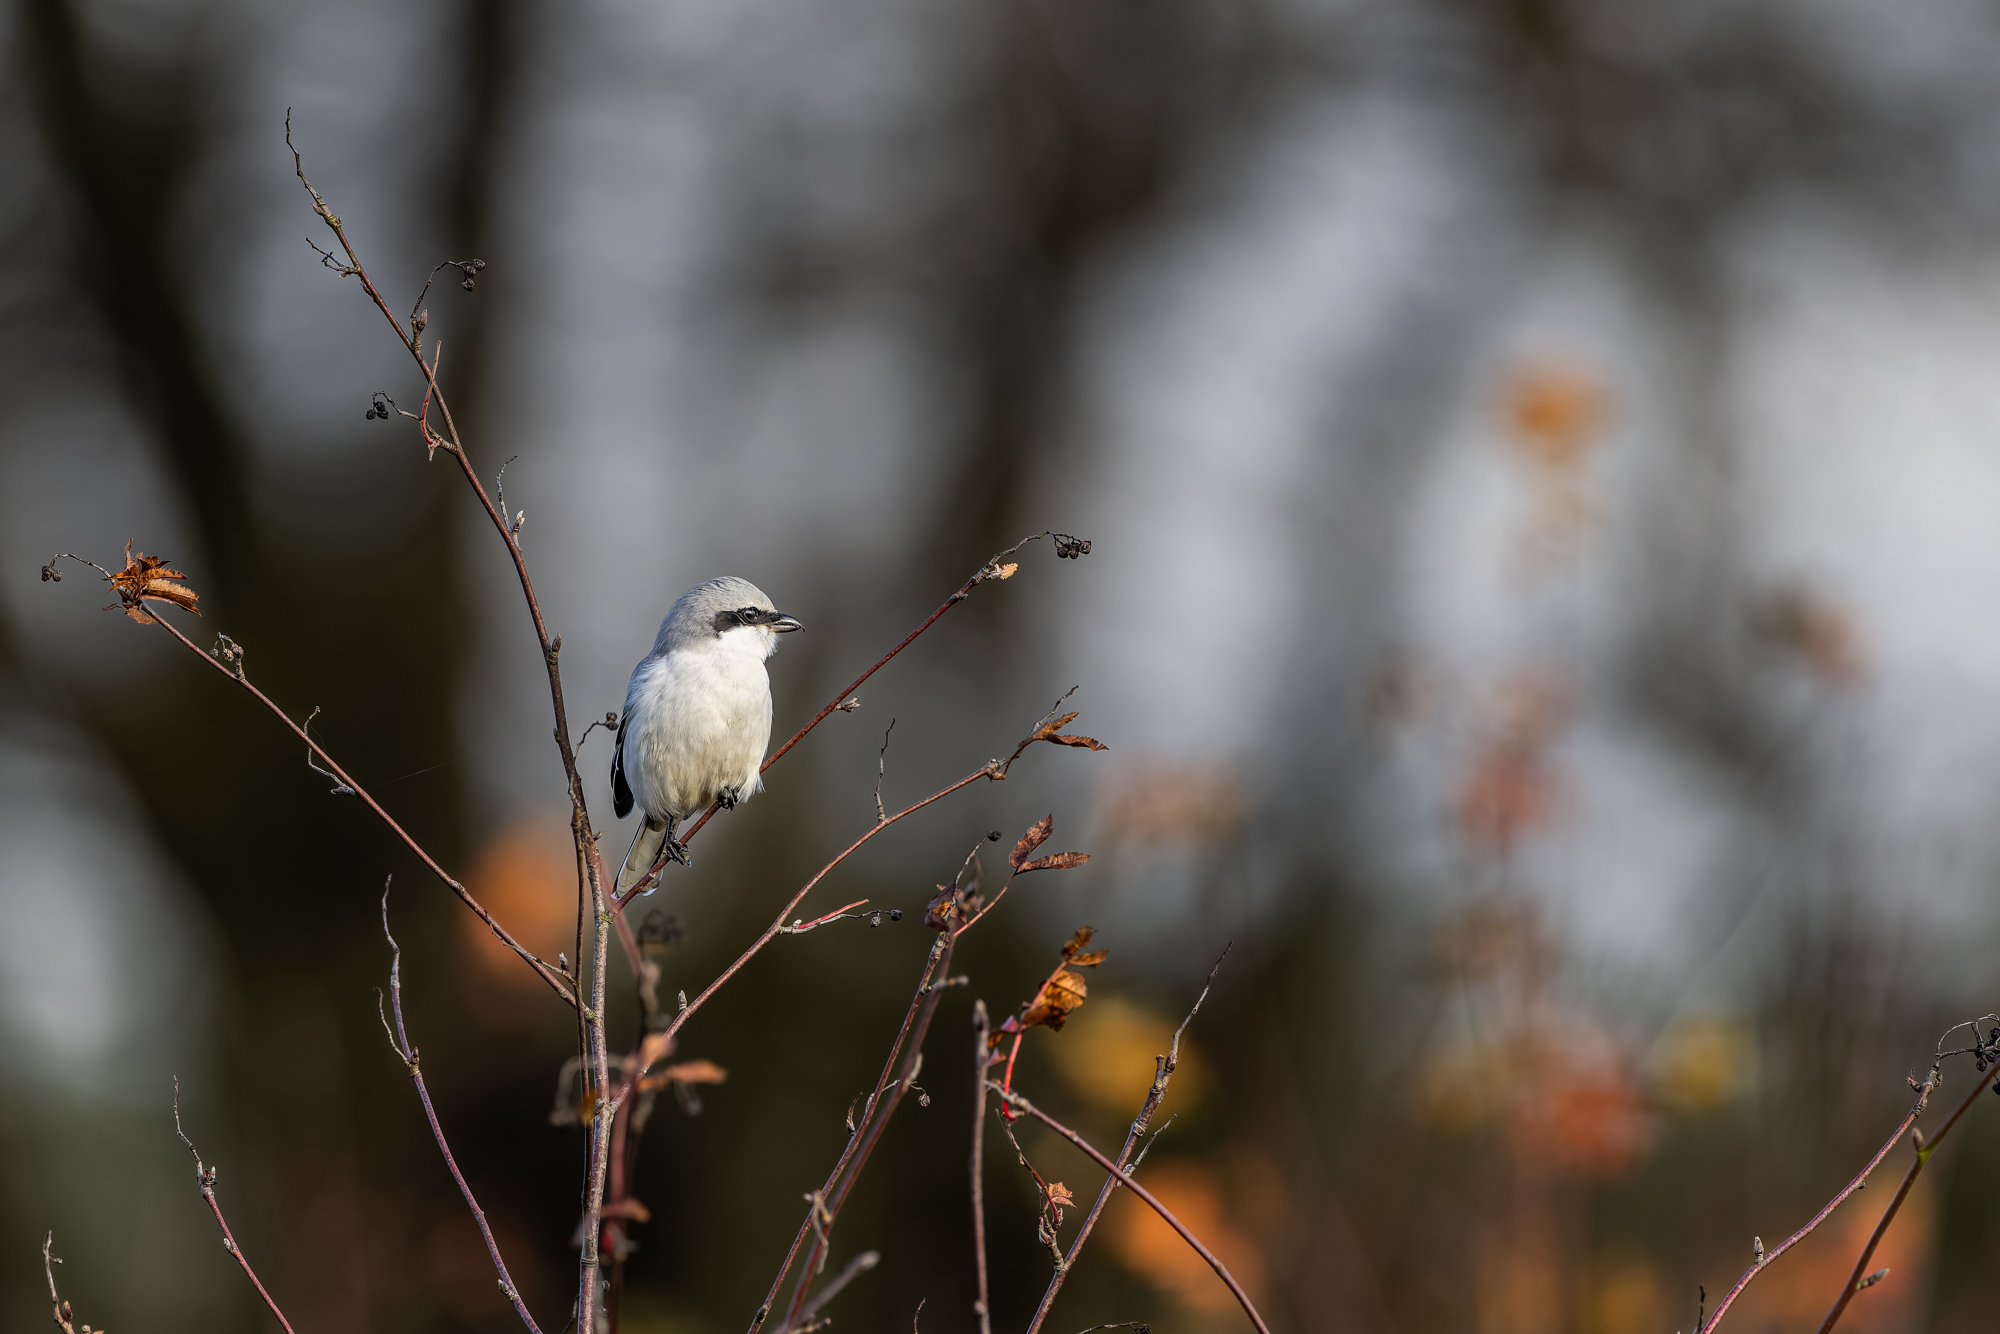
point(646, 845)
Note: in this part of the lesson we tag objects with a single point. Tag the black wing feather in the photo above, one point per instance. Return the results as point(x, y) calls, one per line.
point(621, 791)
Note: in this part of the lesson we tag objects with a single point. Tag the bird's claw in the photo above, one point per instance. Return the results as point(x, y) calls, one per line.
point(726, 798)
point(676, 851)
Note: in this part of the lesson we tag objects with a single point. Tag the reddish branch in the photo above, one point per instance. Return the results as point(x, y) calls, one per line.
point(399, 1038)
point(1124, 1179)
point(205, 1179)
point(591, 897)
point(555, 980)
point(1163, 1072)
point(1763, 1262)
point(825, 1204)
point(1924, 1150)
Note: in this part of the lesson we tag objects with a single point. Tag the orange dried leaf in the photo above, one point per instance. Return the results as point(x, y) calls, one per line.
point(1060, 1198)
point(655, 1047)
point(1078, 940)
point(148, 577)
point(1090, 960)
point(1049, 729)
point(1068, 739)
point(1055, 861)
point(696, 1072)
point(1038, 834)
point(1063, 992)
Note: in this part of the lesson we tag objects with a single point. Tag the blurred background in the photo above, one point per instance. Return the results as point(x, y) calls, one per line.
point(1541, 462)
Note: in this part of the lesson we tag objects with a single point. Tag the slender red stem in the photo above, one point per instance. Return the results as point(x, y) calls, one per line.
point(1125, 1180)
point(547, 974)
point(1923, 1156)
point(400, 1039)
point(1860, 1179)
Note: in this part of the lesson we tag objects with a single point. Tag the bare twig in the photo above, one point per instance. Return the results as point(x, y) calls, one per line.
point(981, 1059)
point(856, 1267)
point(882, 769)
point(1859, 1279)
point(340, 789)
point(1924, 1091)
point(1125, 1179)
point(65, 1318)
point(542, 970)
point(205, 1180)
point(400, 1040)
point(1163, 1071)
point(875, 1113)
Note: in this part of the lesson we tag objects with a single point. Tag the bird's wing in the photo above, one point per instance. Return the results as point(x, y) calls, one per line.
point(621, 791)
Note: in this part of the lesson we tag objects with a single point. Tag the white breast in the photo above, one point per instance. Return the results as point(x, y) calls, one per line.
point(700, 723)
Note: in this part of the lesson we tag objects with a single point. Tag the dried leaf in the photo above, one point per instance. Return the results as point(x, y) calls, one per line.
point(1038, 834)
point(1049, 729)
point(1077, 941)
point(148, 577)
point(1060, 1198)
point(1063, 992)
point(1090, 960)
point(696, 1072)
point(1055, 861)
point(655, 1047)
point(1006, 571)
point(1068, 739)
point(946, 906)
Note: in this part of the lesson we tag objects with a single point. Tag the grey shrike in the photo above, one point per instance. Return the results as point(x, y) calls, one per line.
point(697, 715)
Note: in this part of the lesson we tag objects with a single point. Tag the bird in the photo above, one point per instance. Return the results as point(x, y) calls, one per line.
point(697, 716)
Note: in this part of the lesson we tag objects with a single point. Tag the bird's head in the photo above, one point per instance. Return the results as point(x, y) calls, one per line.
point(731, 610)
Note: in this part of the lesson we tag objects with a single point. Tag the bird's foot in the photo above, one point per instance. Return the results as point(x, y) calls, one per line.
point(676, 851)
point(727, 798)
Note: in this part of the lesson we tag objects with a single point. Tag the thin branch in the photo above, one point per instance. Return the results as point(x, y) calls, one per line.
point(65, 1318)
point(205, 1180)
point(400, 1040)
point(883, 1106)
point(993, 770)
point(882, 769)
point(1924, 1091)
point(542, 970)
point(1163, 1071)
point(856, 1267)
point(1125, 1179)
point(1924, 1150)
point(981, 1059)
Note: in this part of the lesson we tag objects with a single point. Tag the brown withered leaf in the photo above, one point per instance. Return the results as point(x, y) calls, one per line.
point(654, 1047)
point(697, 1072)
point(1055, 861)
point(1063, 992)
point(1038, 834)
point(148, 577)
point(1079, 939)
point(628, 1208)
point(685, 1073)
point(1060, 1198)
point(946, 906)
point(1069, 739)
point(1049, 729)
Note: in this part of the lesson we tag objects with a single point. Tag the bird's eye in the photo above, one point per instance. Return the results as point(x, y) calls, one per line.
point(749, 615)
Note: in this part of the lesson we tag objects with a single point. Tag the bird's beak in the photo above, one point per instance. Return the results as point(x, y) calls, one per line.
point(785, 624)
